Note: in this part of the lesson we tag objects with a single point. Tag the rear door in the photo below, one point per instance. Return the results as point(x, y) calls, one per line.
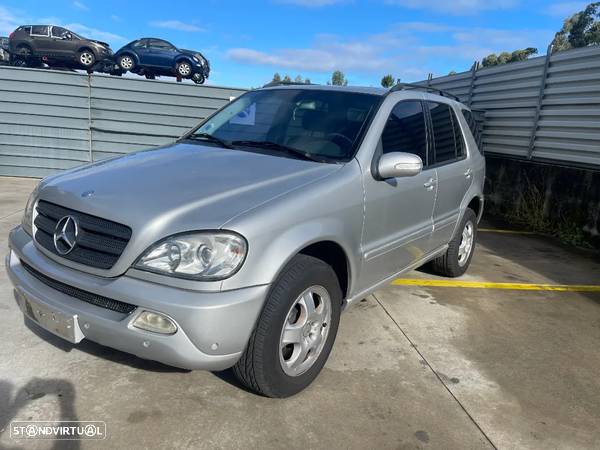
point(41, 43)
point(453, 168)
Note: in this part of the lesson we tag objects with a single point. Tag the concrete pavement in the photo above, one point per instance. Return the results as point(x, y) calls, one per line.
point(412, 367)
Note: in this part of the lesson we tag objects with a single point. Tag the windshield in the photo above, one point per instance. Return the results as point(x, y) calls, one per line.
point(322, 123)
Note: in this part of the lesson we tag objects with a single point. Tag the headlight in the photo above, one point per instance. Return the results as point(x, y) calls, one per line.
point(195, 59)
point(27, 220)
point(206, 256)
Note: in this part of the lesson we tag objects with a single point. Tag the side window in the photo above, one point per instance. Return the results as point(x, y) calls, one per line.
point(443, 132)
point(461, 147)
point(405, 130)
point(159, 44)
point(474, 126)
point(59, 32)
point(39, 30)
point(139, 44)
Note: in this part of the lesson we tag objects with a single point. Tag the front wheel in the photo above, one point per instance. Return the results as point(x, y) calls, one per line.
point(198, 78)
point(460, 250)
point(86, 58)
point(295, 331)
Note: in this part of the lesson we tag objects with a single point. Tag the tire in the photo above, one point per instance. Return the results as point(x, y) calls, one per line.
point(126, 62)
point(183, 69)
point(24, 51)
point(268, 366)
point(198, 78)
point(86, 58)
point(455, 262)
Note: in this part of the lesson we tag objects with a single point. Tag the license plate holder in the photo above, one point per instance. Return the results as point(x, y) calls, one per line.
point(63, 325)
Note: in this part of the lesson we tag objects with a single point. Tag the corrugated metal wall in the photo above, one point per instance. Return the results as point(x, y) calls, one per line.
point(51, 120)
point(546, 108)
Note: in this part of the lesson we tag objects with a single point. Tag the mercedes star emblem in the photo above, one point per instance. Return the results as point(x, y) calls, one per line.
point(65, 235)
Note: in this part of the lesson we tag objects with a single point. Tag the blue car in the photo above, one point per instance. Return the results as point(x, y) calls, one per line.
point(154, 57)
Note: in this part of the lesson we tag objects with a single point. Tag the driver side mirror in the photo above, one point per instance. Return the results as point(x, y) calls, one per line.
point(399, 164)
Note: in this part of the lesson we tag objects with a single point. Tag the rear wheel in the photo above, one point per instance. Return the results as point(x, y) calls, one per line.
point(126, 62)
point(460, 250)
point(86, 58)
point(184, 69)
point(295, 332)
point(24, 51)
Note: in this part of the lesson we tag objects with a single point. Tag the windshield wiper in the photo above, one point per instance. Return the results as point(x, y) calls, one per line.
point(210, 138)
point(280, 147)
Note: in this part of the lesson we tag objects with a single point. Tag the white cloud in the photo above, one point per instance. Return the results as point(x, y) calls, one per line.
point(79, 5)
point(92, 33)
point(565, 9)
point(401, 50)
point(311, 3)
point(9, 20)
point(176, 25)
point(456, 7)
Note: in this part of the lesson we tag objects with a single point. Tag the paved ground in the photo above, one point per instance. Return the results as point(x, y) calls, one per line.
point(413, 367)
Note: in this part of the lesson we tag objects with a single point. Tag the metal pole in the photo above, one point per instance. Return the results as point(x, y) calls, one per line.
point(472, 86)
point(89, 80)
point(538, 109)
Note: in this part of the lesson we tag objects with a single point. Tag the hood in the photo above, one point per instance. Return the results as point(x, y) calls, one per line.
point(104, 44)
point(183, 187)
point(198, 55)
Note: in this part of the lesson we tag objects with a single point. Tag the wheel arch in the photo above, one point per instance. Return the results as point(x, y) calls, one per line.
point(136, 60)
point(333, 254)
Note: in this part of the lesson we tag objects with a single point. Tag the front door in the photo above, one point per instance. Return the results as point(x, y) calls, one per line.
point(398, 211)
point(454, 172)
point(62, 42)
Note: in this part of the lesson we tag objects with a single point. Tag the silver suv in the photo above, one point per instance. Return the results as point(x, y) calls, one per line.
point(240, 245)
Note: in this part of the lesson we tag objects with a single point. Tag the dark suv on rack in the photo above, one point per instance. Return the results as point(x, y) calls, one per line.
point(54, 44)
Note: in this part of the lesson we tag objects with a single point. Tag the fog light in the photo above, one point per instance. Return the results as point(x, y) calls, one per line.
point(155, 322)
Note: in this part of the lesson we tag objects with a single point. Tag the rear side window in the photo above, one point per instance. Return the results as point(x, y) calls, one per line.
point(39, 30)
point(443, 132)
point(474, 126)
point(405, 130)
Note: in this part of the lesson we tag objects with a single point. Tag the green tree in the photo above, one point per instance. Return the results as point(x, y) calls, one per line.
point(298, 79)
point(276, 78)
point(452, 72)
point(580, 30)
point(287, 79)
point(338, 79)
point(307, 81)
point(387, 81)
point(506, 57)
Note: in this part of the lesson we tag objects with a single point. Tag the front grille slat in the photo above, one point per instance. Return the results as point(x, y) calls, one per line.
point(100, 242)
point(80, 294)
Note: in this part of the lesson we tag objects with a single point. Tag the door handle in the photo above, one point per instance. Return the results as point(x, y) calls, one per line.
point(429, 184)
point(468, 173)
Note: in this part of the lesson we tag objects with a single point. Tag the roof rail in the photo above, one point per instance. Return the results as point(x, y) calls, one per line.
point(287, 83)
point(402, 86)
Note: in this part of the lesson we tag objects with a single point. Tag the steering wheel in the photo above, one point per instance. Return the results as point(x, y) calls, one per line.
point(340, 135)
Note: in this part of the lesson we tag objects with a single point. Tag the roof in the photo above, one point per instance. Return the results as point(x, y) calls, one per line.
point(327, 87)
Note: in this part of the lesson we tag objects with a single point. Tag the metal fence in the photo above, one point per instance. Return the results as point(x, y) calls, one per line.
point(51, 120)
point(544, 109)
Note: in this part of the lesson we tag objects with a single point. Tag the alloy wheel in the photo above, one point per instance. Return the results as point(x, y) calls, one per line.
point(466, 243)
point(305, 331)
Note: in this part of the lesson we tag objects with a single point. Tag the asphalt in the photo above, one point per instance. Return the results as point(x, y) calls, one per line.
point(413, 367)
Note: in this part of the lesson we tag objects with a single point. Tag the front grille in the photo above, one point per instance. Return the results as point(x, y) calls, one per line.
point(84, 296)
point(99, 244)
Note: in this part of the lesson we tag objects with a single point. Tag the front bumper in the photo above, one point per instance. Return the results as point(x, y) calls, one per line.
point(212, 327)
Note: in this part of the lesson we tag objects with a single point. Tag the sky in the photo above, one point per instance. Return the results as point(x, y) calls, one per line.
point(247, 41)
